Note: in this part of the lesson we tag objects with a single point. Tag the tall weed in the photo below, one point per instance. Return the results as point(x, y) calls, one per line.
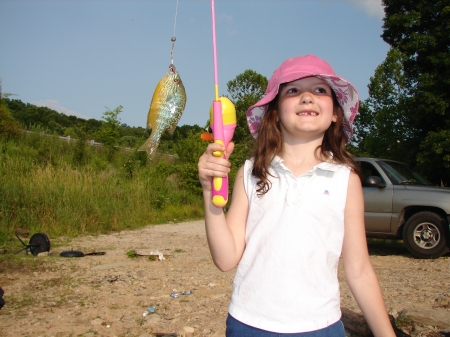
point(43, 189)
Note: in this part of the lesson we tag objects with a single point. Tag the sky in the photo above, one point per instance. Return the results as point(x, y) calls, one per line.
point(83, 57)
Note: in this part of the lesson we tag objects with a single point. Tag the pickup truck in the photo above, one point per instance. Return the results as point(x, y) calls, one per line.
point(401, 204)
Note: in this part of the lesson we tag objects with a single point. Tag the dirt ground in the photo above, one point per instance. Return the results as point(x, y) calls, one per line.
point(106, 295)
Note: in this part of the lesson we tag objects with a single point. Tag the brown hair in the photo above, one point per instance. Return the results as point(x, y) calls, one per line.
point(269, 143)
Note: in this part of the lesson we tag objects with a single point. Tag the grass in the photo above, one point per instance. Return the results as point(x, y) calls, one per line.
point(66, 201)
point(22, 263)
point(43, 189)
point(131, 254)
point(402, 322)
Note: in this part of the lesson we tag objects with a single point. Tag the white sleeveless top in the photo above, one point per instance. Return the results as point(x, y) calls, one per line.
point(287, 281)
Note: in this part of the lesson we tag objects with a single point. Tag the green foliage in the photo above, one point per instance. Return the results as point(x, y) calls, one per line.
point(434, 157)
point(140, 158)
point(92, 126)
point(188, 178)
point(245, 90)
point(109, 131)
point(168, 143)
point(382, 128)
point(185, 131)
point(132, 254)
point(128, 141)
point(67, 188)
point(189, 149)
point(420, 31)
point(80, 150)
point(9, 127)
point(28, 115)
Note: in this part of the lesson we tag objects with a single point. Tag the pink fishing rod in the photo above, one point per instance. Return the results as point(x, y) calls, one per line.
point(223, 123)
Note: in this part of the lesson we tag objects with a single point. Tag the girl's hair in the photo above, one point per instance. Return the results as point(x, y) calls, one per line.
point(269, 144)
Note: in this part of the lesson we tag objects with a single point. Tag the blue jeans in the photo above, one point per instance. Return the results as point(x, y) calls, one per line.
point(236, 328)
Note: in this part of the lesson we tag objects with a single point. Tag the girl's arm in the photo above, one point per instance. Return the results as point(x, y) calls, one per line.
point(226, 235)
point(359, 272)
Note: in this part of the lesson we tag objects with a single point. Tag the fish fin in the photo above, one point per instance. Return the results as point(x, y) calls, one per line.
point(172, 130)
point(150, 146)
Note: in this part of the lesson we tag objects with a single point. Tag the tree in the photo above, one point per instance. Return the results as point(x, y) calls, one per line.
point(420, 30)
point(245, 90)
point(109, 132)
point(434, 156)
point(9, 127)
point(382, 128)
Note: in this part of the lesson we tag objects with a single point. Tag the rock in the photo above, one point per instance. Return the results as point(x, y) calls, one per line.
point(153, 318)
point(186, 331)
point(218, 334)
point(97, 321)
point(442, 302)
point(64, 295)
point(439, 318)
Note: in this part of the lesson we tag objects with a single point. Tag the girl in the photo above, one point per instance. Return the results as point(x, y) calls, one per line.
point(297, 206)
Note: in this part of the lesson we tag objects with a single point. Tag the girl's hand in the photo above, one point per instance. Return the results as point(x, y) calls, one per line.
point(210, 166)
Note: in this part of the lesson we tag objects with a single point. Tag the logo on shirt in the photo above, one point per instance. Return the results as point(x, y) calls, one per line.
point(326, 192)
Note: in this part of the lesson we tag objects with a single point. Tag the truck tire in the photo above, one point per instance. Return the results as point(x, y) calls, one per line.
point(425, 235)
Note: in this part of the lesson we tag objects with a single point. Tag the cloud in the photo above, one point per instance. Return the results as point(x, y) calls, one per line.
point(372, 7)
point(54, 105)
point(226, 18)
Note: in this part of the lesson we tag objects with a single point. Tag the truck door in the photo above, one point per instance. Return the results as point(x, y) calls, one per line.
point(377, 202)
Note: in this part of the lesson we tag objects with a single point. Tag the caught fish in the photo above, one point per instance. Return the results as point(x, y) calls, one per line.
point(166, 108)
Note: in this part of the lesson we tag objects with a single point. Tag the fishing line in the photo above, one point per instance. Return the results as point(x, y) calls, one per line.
point(173, 39)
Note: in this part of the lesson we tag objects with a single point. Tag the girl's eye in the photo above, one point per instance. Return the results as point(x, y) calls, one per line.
point(291, 91)
point(321, 90)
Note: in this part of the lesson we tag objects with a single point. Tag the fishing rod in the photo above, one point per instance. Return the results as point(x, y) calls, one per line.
point(223, 123)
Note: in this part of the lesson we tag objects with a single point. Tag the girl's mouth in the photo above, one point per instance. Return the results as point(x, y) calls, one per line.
point(307, 113)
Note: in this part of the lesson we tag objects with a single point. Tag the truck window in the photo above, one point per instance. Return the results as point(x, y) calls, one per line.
point(369, 170)
point(400, 173)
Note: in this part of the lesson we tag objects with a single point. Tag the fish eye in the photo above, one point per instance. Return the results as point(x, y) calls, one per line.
point(176, 80)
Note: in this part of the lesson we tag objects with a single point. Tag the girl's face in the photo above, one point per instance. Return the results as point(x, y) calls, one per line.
point(305, 108)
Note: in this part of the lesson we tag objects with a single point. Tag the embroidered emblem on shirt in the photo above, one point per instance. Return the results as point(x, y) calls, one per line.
point(326, 192)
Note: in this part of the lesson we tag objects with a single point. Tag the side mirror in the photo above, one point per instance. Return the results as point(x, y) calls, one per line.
point(373, 181)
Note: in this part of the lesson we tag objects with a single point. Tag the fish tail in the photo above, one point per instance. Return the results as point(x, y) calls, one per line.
point(150, 146)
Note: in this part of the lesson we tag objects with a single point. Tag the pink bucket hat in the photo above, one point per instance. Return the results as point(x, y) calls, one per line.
point(300, 67)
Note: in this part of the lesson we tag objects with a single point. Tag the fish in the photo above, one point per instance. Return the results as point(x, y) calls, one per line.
point(166, 108)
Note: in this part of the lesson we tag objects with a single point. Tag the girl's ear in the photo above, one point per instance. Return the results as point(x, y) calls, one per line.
point(334, 119)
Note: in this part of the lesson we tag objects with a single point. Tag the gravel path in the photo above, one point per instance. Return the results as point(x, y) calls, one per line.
point(105, 295)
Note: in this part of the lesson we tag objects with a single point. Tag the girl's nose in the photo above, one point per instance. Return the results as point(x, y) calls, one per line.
point(306, 98)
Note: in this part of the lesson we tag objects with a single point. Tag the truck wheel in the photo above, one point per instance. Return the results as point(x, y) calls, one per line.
point(425, 235)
